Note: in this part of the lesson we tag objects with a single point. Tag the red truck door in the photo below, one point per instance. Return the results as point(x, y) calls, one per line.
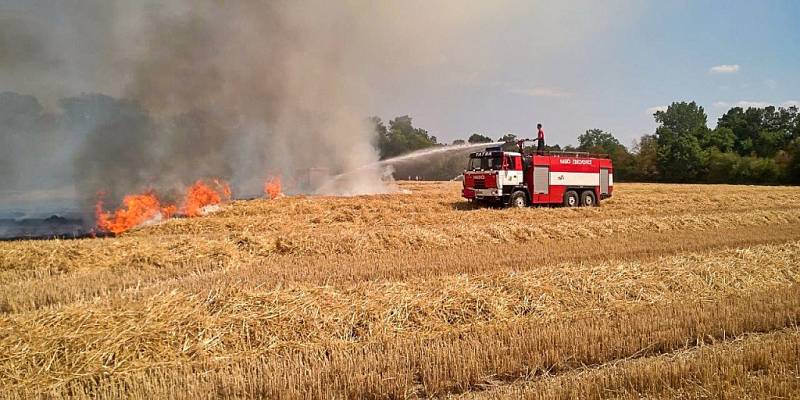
point(541, 181)
point(604, 182)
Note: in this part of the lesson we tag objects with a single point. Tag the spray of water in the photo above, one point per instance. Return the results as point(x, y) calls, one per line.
point(432, 151)
point(386, 166)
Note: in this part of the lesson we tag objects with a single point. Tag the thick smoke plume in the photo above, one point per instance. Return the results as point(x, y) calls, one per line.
point(158, 96)
point(122, 96)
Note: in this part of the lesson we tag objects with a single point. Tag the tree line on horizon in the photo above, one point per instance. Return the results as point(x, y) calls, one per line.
point(748, 146)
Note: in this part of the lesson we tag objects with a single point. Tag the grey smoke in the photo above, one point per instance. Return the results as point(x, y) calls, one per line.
point(22, 45)
point(130, 95)
point(27, 132)
point(202, 89)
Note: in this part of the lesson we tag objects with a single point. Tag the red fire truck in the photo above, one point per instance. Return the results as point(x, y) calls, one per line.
point(516, 179)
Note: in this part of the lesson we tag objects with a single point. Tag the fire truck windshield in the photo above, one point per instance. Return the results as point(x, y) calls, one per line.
point(485, 163)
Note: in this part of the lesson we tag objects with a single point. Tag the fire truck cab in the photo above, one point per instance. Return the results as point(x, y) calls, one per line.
point(515, 179)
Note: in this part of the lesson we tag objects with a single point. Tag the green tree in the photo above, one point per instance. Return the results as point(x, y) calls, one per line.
point(646, 159)
point(381, 137)
point(624, 164)
point(722, 167)
point(400, 137)
point(735, 120)
point(683, 118)
point(598, 141)
point(509, 142)
point(721, 139)
point(758, 170)
point(478, 138)
point(680, 156)
point(793, 163)
point(768, 143)
point(761, 131)
point(459, 142)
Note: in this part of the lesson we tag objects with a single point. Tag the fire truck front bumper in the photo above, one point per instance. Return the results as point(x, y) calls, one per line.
point(493, 192)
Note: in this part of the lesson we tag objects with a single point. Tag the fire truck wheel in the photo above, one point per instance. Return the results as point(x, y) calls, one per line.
point(571, 199)
point(518, 199)
point(587, 199)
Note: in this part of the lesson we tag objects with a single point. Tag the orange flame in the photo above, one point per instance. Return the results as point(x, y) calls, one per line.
point(272, 187)
point(201, 195)
point(224, 188)
point(136, 210)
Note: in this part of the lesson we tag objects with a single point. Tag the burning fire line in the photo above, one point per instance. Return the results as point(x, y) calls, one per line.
point(145, 208)
point(224, 188)
point(201, 196)
point(272, 187)
point(136, 210)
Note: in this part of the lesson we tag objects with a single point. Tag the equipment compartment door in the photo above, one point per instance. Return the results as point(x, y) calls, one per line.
point(603, 180)
point(541, 180)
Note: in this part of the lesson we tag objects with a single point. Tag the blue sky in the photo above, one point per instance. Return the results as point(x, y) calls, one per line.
point(585, 65)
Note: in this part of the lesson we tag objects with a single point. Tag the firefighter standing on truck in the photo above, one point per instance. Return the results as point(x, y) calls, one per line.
point(540, 140)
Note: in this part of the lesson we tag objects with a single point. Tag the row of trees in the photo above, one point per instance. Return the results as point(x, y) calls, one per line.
point(756, 145)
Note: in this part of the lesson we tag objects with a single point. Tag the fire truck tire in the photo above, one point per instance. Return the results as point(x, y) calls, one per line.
point(518, 199)
point(588, 199)
point(571, 199)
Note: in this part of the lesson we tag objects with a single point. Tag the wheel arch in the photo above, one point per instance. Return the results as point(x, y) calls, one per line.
point(567, 191)
point(522, 189)
point(582, 194)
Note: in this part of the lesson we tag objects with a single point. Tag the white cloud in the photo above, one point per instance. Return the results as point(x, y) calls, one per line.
point(724, 69)
point(742, 104)
point(541, 91)
point(652, 110)
point(756, 104)
point(752, 104)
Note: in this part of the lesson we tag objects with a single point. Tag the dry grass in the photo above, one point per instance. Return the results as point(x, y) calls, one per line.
point(389, 366)
point(755, 366)
point(405, 295)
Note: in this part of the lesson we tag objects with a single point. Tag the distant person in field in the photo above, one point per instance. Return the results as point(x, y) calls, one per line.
point(540, 140)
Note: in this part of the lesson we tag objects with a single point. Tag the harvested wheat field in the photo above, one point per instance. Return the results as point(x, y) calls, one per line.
point(665, 291)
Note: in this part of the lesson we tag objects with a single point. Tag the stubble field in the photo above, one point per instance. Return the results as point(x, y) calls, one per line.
point(676, 291)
